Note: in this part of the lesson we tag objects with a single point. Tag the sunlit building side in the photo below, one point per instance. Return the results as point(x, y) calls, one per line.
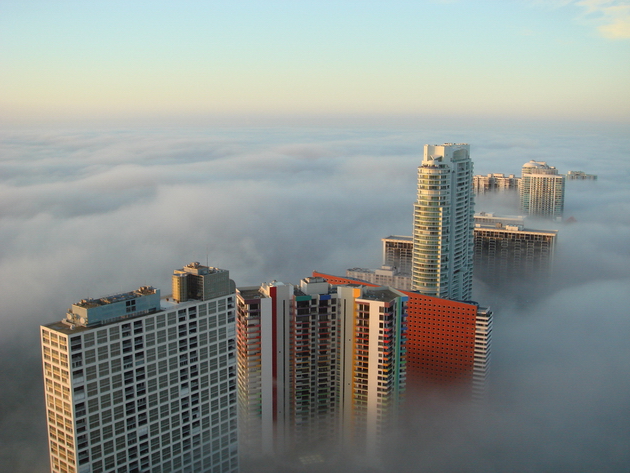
point(289, 369)
point(541, 191)
point(448, 342)
point(495, 182)
point(320, 367)
point(135, 382)
point(443, 223)
point(373, 346)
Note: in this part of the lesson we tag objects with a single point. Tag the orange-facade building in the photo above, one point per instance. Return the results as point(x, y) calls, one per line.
point(447, 341)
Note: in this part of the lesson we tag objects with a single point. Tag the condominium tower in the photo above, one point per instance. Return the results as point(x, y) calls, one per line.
point(442, 260)
point(495, 182)
point(447, 342)
point(541, 190)
point(318, 366)
point(506, 255)
point(135, 382)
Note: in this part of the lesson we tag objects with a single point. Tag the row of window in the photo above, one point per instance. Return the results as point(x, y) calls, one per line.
point(190, 456)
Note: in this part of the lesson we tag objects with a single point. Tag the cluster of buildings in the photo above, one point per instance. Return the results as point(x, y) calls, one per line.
point(540, 187)
point(141, 382)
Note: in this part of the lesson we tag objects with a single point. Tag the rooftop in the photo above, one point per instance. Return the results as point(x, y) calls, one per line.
point(398, 237)
point(514, 229)
point(123, 296)
point(382, 294)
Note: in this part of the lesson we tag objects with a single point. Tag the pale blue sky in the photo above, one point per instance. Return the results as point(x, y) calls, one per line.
point(565, 60)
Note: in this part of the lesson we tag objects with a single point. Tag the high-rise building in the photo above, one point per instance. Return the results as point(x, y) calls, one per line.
point(542, 190)
point(288, 358)
point(580, 176)
point(317, 364)
point(135, 382)
point(398, 252)
point(509, 254)
point(447, 341)
point(373, 364)
point(442, 261)
point(494, 182)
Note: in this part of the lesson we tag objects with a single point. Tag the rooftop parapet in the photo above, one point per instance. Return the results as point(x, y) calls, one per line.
point(91, 312)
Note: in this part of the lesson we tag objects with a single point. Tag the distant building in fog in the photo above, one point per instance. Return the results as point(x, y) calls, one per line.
point(541, 190)
point(384, 276)
point(134, 382)
point(490, 218)
point(506, 254)
point(494, 182)
point(580, 176)
point(396, 268)
point(398, 252)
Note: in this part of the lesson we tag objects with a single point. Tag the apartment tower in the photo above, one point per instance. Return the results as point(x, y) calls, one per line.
point(541, 190)
point(442, 261)
point(135, 382)
point(288, 366)
point(318, 366)
point(446, 341)
point(506, 255)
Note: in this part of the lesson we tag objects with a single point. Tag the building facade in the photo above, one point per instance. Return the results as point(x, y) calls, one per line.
point(490, 218)
point(447, 342)
point(135, 382)
point(373, 364)
point(509, 254)
point(384, 276)
point(541, 191)
point(398, 252)
point(442, 260)
point(288, 365)
point(311, 374)
point(495, 182)
point(580, 176)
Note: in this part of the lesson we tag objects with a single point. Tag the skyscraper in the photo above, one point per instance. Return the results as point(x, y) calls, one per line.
point(446, 341)
point(288, 358)
point(135, 382)
point(398, 252)
point(442, 260)
point(318, 364)
point(541, 190)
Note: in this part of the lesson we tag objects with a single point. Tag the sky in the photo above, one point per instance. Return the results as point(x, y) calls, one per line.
point(280, 137)
point(252, 61)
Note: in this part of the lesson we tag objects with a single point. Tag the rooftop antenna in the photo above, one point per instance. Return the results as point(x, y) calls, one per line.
point(207, 257)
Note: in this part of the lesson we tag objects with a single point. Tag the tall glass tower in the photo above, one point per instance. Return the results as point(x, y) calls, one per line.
point(443, 223)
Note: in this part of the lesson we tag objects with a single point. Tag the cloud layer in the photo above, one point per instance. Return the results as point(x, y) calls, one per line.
point(92, 213)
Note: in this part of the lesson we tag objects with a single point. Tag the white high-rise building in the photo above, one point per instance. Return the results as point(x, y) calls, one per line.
point(442, 262)
point(542, 190)
point(135, 382)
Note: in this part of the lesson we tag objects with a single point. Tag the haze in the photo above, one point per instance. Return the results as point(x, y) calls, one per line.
point(274, 138)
